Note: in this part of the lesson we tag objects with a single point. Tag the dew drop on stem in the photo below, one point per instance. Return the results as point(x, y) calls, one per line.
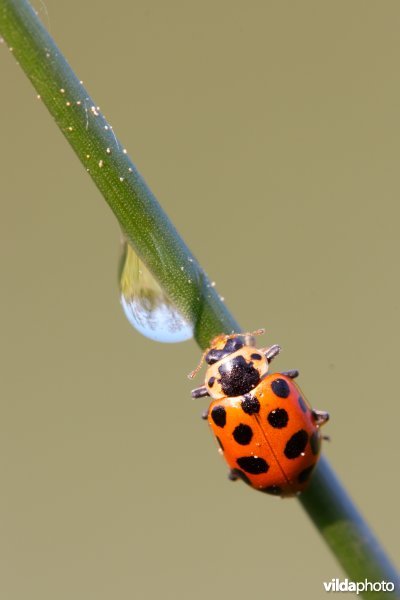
point(146, 306)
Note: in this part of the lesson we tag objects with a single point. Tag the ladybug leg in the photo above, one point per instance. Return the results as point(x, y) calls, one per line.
point(235, 474)
point(200, 392)
point(271, 352)
point(292, 374)
point(204, 415)
point(320, 416)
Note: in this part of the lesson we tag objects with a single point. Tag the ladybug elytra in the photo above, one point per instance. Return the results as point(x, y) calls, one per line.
point(266, 430)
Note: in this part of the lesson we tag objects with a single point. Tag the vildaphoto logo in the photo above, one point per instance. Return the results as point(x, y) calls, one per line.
point(336, 585)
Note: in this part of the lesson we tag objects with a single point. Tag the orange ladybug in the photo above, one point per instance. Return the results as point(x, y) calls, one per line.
point(267, 432)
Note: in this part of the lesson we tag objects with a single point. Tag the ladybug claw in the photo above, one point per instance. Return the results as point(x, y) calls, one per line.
point(320, 416)
point(232, 476)
point(292, 374)
point(204, 415)
point(200, 392)
point(271, 352)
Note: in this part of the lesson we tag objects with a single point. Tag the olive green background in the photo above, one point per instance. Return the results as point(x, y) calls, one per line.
point(269, 132)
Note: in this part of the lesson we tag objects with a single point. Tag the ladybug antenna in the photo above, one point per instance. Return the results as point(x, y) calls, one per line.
point(229, 336)
point(247, 335)
point(193, 374)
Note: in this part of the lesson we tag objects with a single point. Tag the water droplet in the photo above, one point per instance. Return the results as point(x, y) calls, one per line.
point(146, 305)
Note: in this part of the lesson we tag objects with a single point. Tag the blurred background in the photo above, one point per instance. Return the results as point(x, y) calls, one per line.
point(274, 126)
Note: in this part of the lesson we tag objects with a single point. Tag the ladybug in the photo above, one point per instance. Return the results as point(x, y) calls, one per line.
point(266, 430)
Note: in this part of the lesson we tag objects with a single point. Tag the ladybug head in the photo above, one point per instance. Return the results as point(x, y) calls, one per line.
point(235, 366)
point(221, 347)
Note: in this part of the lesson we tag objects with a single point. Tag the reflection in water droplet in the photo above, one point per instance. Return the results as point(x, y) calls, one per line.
point(146, 305)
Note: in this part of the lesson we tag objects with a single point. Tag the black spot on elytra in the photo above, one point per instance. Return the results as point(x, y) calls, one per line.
point(280, 388)
point(219, 443)
point(250, 405)
point(256, 356)
point(238, 474)
point(302, 404)
point(211, 381)
point(275, 490)
point(218, 415)
point(305, 474)
point(278, 418)
point(242, 434)
point(253, 464)
point(315, 443)
point(238, 376)
point(296, 444)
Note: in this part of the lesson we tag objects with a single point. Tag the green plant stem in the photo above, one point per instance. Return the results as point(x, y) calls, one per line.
point(158, 244)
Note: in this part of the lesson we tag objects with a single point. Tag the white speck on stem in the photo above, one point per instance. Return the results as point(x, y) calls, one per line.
point(213, 284)
point(106, 127)
point(94, 111)
point(124, 151)
point(130, 170)
point(87, 155)
point(70, 128)
point(78, 102)
point(121, 179)
point(101, 163)
point(86, 114)
point(108, 150)
point(68, 104)
point(62, 90)
point(38, 97)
